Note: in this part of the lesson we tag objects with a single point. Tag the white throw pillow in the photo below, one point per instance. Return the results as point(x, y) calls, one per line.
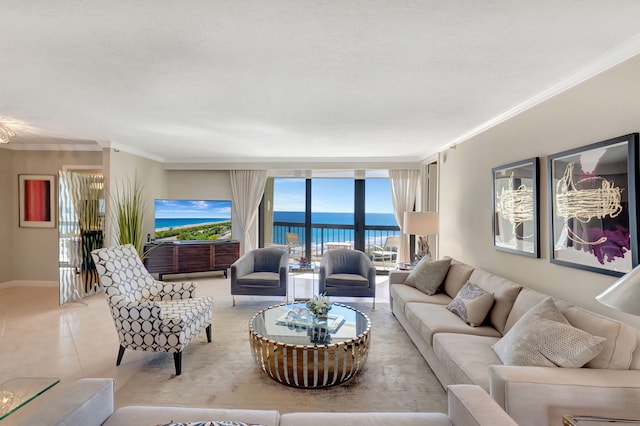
point(544, 337)
point(472, 304)
point(428, 275)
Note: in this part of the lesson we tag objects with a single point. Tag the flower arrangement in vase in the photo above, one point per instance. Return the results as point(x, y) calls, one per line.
point(304, 262)
point(320, 305)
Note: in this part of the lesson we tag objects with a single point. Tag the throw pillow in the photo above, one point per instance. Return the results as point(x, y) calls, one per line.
point(472, 304)
point(428, 275)
point(209, 423)
point(544, 337)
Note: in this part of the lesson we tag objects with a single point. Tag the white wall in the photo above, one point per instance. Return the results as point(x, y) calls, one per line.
point(123, 169)
point(602, 108)
point(7, 191)
point(34, 251)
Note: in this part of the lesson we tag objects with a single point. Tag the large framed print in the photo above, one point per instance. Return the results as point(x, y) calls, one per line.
point(592, 206)
point(515, 207)
point(37, 201)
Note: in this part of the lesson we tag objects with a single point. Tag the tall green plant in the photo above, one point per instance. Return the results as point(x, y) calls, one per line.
point(128, 207)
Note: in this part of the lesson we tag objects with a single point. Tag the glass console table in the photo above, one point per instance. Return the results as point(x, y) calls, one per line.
point(16, 393)
point(595, 421)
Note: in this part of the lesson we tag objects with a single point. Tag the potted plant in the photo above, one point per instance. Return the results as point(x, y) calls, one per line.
point(128, 209)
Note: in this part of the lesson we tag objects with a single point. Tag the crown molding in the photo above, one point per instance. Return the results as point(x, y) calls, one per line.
point(116, 146)
point(50, 147)
point(298, 164)
point(613, 57)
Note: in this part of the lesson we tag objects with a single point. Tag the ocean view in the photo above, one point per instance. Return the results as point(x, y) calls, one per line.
point(327, 233)
point(384, 219)
point(175, 222)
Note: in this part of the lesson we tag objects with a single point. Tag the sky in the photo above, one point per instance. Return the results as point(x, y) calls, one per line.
point(331, 195)
point(188, 209)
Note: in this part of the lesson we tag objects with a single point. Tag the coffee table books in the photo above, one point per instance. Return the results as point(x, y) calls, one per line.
point(332, 323)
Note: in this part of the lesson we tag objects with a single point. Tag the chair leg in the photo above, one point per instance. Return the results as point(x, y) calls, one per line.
point(177, 360)
point(374, 303)
point(209, 333)
point(120, 355)
point(234, 300)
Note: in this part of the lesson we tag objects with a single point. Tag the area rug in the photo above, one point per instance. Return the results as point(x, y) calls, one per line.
point(224, 374)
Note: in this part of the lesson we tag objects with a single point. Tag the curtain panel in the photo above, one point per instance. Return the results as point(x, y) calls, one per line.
point(404, 184)
point(247, 187)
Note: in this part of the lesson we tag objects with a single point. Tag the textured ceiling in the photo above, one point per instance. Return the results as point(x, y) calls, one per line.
point(200, 81)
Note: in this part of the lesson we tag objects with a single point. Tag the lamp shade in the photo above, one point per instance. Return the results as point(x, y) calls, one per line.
point(624, 294)
point(420, 223)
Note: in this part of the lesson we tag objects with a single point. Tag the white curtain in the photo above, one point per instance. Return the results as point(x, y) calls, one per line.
point(404, 184)
point(247, 187)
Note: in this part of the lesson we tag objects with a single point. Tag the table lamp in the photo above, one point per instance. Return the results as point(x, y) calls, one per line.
point(624, 294)
point(421, 224)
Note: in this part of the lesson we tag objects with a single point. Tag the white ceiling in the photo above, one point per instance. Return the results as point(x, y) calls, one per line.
point(298, 80)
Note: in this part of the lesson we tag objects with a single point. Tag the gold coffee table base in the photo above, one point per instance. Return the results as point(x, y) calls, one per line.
point(313, 365)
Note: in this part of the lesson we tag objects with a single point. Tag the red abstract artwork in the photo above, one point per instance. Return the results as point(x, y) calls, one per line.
point(37, 196)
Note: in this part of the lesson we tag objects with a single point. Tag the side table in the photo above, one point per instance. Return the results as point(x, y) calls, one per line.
point(297, 269)
point(16, 393)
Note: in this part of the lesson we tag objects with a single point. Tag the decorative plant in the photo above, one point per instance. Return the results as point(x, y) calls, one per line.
point(304, 261)
point(128, 208)
point(320, 304)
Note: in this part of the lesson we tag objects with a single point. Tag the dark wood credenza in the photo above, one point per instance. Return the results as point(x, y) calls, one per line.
point(181, 257)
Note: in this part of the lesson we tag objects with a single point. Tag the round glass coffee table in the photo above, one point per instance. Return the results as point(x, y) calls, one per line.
point(297, 349)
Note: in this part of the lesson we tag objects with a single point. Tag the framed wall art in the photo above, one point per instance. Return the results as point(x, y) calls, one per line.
point(37, 201)
point(593, 214)
point(515, 207)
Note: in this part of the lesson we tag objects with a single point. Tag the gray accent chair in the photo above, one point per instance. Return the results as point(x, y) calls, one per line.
point(260, 272)
point(347, 273)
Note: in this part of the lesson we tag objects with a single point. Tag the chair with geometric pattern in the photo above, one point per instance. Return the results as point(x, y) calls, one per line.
point(150, 315)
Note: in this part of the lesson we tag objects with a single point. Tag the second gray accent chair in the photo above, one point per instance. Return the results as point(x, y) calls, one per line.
point(347, 273)
point(260, 272)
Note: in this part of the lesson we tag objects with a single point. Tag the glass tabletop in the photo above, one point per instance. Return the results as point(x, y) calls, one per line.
point(294, 324)
point(17, 392)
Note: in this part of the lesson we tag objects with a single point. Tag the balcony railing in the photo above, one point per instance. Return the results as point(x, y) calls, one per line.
point(323, 234)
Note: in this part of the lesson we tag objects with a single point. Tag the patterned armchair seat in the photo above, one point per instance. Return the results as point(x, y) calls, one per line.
point(150, 315)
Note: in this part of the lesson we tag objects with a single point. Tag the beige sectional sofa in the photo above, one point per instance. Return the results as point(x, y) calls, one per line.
point(90, 402)
point(609, 385)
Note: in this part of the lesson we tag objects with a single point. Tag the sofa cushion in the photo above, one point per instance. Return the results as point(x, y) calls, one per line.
point(543, 337)
point(466, 357)
point(504, 294)
point(427, 275)
point(429, 319)
point(402, 294)
point(457, 276)
point(621, 339)
point(471, 304)
point(526, 300)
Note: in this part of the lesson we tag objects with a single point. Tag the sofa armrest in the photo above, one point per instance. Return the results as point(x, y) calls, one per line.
point(398, 277)
point(470, 405)
point(542, 395)
point(85, 402)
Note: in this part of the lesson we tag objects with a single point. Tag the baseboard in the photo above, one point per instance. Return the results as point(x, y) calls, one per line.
point(28, 283)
